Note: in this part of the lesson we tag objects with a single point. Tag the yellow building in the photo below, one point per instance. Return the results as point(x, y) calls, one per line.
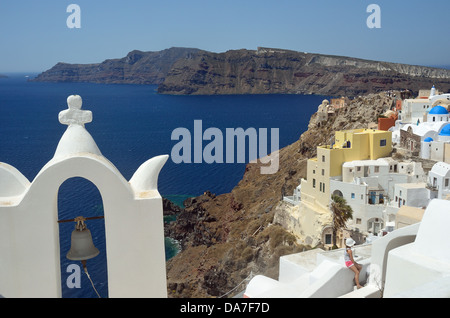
point(349, 145)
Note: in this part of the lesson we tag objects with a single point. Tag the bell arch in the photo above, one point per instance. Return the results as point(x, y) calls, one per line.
point(78, 196)
point(134, 231)
point(133, 217)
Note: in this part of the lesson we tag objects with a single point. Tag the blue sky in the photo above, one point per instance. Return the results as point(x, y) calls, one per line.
point(34, 35)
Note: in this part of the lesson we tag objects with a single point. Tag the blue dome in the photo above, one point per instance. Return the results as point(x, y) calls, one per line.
point(438, 110)
point(428, 139)
point(445, 130)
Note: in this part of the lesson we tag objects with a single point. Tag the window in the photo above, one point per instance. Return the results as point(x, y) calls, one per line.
point(323, 158)
point(446, 182)
point(323, 188)
point(358, 168)
point(358, 221)
point(314, 183)
point(320, 186)
point(382, 142)
point(377, 169)
point(353, 195)
point(323, 172)
point(327, 238)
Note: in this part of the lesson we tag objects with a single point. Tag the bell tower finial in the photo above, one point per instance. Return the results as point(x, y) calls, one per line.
point(74, 115)
point(76, 139)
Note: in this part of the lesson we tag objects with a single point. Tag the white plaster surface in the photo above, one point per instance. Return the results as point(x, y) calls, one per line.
point(29, 232)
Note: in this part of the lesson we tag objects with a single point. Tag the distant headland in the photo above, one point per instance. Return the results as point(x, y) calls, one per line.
point(186, 71)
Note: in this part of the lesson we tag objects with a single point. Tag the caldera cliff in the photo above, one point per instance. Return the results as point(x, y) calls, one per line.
point(262, 71)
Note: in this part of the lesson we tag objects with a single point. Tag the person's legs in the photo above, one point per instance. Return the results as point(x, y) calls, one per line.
point(356, 271)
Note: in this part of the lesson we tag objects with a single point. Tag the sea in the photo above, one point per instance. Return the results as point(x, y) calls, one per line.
point(131, 124)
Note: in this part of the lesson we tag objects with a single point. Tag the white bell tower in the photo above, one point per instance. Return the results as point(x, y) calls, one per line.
point(29, 232)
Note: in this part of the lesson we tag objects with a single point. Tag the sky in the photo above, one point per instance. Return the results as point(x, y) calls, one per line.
point(34, 34)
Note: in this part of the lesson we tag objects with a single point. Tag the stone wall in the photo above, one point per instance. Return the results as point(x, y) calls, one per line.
point(410, 141)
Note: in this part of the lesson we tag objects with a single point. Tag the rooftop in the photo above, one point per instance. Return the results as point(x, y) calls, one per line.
point(438, 110)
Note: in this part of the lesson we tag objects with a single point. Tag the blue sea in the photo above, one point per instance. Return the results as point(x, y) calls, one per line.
point(131, 124)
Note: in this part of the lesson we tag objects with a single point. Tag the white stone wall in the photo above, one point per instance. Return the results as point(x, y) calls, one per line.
point(134, 229)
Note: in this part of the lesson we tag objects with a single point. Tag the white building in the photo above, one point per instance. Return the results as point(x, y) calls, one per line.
point(439, 179)
point(411, 194)
point(414, 110)
point(437, 148)
point(368, 186)
point(296, 197)
point(417, 111)
point(437, 98)
point(436, 119)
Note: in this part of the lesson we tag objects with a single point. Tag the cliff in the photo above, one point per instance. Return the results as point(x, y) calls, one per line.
point(136, 68)
point(224, 238)
point(270, 71)
point(262, 71)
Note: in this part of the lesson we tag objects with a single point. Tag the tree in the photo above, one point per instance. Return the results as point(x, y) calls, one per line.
point(342, 212)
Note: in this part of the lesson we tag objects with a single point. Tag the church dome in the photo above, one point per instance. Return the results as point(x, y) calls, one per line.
point(445, 130)
point(428, 139)
point(438, 110)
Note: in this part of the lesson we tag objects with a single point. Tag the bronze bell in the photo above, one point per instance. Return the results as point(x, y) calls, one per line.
point(82, 247)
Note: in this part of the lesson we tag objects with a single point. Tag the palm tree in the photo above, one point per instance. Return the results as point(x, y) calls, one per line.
point(341, 213)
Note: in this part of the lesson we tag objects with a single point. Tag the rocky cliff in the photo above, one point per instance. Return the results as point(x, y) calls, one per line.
point(136, 68)
point(224, 238)
point(268, 71)
point(262, 71)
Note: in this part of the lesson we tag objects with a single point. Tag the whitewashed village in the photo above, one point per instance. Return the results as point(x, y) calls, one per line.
point(396, 179)
point(401, 208)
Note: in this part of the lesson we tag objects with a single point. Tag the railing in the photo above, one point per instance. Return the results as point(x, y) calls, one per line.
point(291, 199)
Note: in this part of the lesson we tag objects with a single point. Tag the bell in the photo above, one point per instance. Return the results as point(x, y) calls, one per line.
point(82, 247)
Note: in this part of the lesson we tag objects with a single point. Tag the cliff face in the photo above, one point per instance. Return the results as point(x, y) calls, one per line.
point(269, 71)
point(225, 238)
point(136, 68)
point(264, 71)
